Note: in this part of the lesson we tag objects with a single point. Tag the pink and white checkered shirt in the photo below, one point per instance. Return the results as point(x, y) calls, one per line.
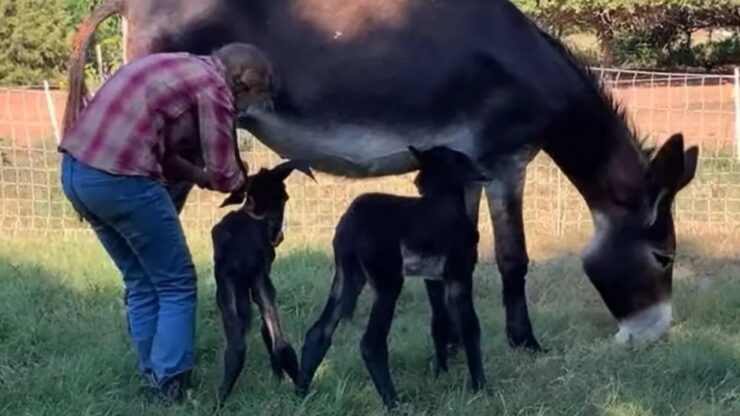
point(125, 128)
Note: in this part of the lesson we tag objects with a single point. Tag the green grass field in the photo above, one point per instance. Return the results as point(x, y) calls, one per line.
point(64, 351)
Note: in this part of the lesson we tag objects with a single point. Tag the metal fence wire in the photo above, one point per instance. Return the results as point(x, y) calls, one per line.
point(704, 107)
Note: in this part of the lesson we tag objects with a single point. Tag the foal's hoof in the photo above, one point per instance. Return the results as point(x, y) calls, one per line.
point(479, 384)
point(289, 362)
point(301, 390)
point(440, 369)
point(527, 343)
point(393, 405)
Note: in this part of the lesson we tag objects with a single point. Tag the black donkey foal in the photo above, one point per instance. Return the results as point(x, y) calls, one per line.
point(244, 244)
point(386, 238)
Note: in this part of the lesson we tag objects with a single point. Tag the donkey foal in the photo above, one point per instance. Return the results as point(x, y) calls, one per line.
point(244, 244)
point(384, 239)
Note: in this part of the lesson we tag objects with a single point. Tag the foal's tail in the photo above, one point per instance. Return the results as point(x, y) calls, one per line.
point(78, 94)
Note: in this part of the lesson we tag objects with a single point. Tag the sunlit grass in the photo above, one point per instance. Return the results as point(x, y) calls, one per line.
point(64, 351)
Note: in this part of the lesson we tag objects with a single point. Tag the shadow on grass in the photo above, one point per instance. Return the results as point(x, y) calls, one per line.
point(64, 350)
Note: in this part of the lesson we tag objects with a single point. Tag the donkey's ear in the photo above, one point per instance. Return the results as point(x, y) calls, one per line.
point(666, 170)
point(690, 162)
point(284, 170)
point(670, 171)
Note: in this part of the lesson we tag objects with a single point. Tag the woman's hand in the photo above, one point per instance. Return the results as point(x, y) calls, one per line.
point(179, 169)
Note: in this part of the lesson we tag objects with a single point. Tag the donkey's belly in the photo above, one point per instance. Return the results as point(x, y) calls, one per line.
point(353, 150)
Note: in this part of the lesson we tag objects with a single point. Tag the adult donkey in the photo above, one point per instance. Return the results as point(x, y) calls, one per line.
point(364, 79)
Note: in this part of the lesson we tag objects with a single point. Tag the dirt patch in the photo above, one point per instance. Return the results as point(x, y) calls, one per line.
point(24, 115)
point(704, 113)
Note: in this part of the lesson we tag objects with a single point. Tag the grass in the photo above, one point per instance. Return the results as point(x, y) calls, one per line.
point(64, 351)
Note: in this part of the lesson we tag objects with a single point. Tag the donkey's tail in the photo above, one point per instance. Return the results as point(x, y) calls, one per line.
point(78, 94)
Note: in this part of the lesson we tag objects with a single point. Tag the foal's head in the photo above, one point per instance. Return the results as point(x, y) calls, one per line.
point(267, 196)
point(442, 170)
point(630, 259)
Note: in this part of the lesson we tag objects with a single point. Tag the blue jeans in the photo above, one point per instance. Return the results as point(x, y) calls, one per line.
point(137, 224)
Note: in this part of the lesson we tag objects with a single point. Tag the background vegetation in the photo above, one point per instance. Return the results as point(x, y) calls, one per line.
point(646, 34)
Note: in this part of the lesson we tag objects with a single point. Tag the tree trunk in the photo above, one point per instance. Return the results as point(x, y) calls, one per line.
point(606, 44)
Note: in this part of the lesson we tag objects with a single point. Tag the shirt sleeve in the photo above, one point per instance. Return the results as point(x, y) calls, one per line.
point(216, 128)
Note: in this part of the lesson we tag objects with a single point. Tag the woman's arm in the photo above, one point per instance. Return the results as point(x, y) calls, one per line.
point(177, 168)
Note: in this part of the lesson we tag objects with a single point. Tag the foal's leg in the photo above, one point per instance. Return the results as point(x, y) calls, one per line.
point(179, 192)
point(442, 325)
point(345, 289)
point(282, 355)
point(235, 313)
point(473, 194)
point(459, 296)
point(505, 204)
point(374, 344)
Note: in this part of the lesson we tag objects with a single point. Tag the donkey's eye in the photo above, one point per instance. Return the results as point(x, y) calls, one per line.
point(665, 260)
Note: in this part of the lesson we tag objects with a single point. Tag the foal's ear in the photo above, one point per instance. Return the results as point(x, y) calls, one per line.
point(284, 170)
point(470, 174)
point(416, 152)
point(235, 198)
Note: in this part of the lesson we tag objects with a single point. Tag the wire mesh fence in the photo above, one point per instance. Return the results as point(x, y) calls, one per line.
point(700, 106)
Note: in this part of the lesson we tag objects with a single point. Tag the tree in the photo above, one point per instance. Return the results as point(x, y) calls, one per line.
point(660, 21)
point(32, 41)
point(35, 36)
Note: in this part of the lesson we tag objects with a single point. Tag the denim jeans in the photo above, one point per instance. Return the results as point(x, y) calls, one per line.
point(137, 224)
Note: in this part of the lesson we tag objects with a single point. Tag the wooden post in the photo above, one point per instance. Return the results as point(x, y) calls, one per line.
point(99, 53)
point(52, 112)
point(124, 36)
point(737, 113)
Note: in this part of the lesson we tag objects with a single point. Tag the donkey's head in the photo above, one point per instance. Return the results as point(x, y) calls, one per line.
point(267, 196)
point(630, 259)
point(443, 169)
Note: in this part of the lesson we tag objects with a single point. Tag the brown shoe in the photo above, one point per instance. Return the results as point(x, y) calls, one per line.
point(174, 389)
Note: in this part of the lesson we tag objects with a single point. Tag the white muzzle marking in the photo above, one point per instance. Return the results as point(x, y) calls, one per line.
point(646, 326)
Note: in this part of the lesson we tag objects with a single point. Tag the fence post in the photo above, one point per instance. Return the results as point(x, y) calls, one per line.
point(559, 207)
point(99, 56)
point(52, 111)
point(124, 37)
point(737, 112)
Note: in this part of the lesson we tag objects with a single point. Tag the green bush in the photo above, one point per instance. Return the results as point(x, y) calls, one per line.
point(35, 38)
point(634, 50)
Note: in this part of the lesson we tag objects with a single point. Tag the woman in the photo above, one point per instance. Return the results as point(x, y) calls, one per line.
point(116, 156)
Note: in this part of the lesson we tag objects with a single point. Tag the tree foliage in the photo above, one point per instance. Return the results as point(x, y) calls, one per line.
point(35, 36)
point(656, 26)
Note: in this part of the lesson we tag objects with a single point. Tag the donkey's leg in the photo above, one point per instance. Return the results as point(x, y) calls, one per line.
point(374, 344)
point(505, 204)
point(282, 354)
point(459, 296)
point(442, 325)
point(345, 289)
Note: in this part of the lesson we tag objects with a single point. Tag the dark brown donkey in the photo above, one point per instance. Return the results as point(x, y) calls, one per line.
point(363, 80)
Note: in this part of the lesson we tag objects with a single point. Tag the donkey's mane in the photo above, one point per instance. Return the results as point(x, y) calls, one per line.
point(600, 91)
